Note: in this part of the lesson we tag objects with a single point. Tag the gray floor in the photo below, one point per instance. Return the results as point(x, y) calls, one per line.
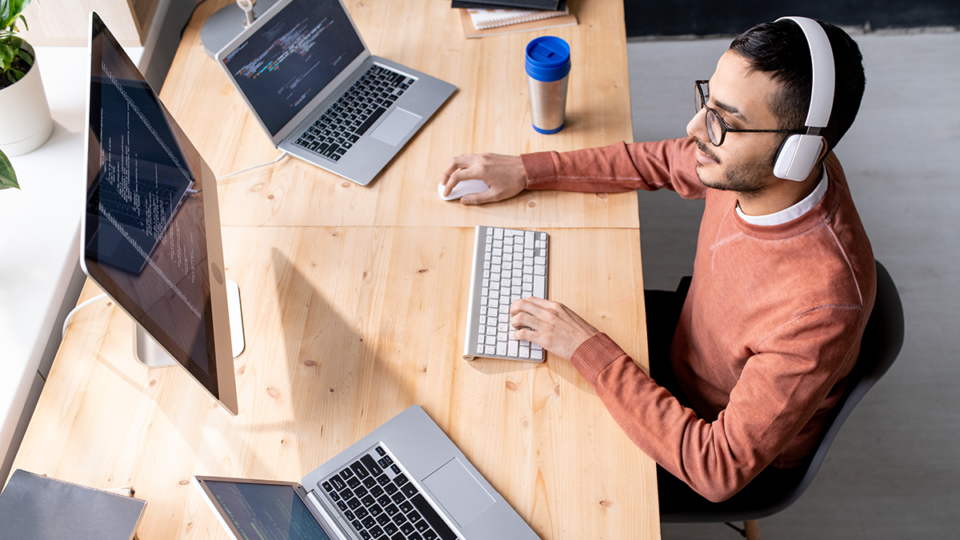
point(894, 470)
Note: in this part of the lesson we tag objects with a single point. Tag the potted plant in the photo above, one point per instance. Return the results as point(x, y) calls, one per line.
point(26, 116)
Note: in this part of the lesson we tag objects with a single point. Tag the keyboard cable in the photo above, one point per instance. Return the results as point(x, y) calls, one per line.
point(281, 156)
point(70, 315)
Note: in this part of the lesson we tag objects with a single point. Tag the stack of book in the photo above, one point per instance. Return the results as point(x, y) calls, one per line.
point(496, 17)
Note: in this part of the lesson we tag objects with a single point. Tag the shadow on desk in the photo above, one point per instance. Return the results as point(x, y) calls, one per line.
point(339, 387)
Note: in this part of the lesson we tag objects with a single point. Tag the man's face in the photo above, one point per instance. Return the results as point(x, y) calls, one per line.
point(744, 162)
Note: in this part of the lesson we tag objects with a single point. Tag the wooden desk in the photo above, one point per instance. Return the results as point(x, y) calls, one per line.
point(490, 112)
point(345, 328)
point(354, 303)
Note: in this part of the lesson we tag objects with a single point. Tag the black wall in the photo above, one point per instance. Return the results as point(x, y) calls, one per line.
point(701, 17)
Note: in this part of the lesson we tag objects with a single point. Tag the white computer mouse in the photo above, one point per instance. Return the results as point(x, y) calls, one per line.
point(465, 187)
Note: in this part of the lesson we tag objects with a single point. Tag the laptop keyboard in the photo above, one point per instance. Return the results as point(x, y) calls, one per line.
point(338, 129)
point(377, 498)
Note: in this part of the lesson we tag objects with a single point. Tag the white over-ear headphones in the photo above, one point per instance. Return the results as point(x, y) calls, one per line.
point(798, 154)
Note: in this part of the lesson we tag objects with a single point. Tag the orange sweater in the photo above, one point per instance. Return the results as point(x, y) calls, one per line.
point(769, 331)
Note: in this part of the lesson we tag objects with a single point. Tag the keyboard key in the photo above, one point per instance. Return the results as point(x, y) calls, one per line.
point(376, 532)
point(383, 519)
point(342, 505)
point(370, 483)
point(359, 469)
point(383, 480)
point(375, 510)
point(390, 529)
point(395, 468)
point(400, 480)
point(381, 451)
point(410, 490)
point(428, 535)
point(406, 507)
point(361, 512)
point(431, 516)
point(346, 494)
point(399, 518)
point(353, 482)
point(384, 500)
point(398, 498)
point(376, 491)
point(369, 522)
point(350, 515)
point(390, 488)
point(353, 503)
point(421, 526)
point(337, 482)
point(390, 510)
point(360, 491)
point(346, 474)
point(365, 535)
point(371, 465)
point(357, 525)
point(407, 528)
point(367, 501)
point(335, 496)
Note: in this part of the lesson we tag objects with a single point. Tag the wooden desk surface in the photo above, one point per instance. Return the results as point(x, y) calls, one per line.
point(489, 112)
point(345, 328)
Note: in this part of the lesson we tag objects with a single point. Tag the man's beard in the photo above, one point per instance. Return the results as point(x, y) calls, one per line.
point(746, 179)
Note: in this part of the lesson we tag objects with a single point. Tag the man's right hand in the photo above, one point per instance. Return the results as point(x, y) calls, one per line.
point(504, 174)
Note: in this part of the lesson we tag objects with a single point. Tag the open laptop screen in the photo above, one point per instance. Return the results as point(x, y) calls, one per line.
point(265, 511)
point(288, 61)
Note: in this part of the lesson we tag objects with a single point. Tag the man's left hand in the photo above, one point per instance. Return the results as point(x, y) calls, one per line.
point(551, 325)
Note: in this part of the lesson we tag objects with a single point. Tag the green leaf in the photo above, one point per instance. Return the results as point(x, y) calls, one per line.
point(6, 56)
point(8, 178)
point(17, 73)
point(25, 56)
point(25, 25)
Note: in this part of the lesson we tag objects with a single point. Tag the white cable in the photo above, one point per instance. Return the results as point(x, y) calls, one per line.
point(78, 308)
point(281, 156)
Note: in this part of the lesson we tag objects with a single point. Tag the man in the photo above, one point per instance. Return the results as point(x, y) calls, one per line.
point(783, 283)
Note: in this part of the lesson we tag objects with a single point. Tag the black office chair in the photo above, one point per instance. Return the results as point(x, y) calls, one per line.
point(881, 343)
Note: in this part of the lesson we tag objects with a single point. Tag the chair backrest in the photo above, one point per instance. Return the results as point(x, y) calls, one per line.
point(879, 347)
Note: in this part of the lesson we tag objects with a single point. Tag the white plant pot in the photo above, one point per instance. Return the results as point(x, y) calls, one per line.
point(26, 121)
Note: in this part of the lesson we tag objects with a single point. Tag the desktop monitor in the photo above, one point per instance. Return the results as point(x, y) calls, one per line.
point(150, 234)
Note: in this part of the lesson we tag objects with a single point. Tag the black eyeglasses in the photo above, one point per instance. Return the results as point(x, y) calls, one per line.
point(716, 128)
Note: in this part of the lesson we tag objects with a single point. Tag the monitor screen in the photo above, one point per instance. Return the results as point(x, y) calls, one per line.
point(265, 511)
point(292, 58)
point(145, 240)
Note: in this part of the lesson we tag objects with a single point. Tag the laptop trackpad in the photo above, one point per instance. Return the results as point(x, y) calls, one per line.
point(395, 127)
point(458, 492)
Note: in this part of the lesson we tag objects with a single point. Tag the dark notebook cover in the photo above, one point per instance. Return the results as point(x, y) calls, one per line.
point(545, 5)
point(34, 507)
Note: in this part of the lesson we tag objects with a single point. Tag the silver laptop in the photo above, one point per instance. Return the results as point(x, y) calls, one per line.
point(404, 481)
point(313, 85)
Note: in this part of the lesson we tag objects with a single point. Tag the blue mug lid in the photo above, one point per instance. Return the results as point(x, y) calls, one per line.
point(548, 58)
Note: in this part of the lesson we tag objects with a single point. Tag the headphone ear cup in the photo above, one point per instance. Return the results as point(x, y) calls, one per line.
point(797, 157)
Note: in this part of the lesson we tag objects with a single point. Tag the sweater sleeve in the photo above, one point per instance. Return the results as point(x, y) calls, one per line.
point(618, 168)
point(778, 392)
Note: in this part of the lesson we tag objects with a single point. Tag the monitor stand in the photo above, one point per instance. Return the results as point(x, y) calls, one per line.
point(226, 24)
point(152, 355)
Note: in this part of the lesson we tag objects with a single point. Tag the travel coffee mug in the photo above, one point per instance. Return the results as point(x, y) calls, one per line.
point(548, 69)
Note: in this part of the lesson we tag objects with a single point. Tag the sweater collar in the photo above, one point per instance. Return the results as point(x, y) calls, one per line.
point(812, 217)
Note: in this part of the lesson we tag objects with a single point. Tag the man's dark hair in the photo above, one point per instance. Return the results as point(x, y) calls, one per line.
point(781, 49)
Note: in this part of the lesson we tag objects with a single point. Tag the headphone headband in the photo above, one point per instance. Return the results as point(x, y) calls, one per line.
point(824, 71)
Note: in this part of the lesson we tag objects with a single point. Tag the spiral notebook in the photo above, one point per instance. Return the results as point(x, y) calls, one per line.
point(470, 31)
point(484, 19)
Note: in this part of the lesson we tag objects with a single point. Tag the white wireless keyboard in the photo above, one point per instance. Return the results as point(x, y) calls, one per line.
point(508, 264)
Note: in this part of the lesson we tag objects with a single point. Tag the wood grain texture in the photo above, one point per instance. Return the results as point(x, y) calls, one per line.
point(489, 112)
point(66, 23)
point(345, 328)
